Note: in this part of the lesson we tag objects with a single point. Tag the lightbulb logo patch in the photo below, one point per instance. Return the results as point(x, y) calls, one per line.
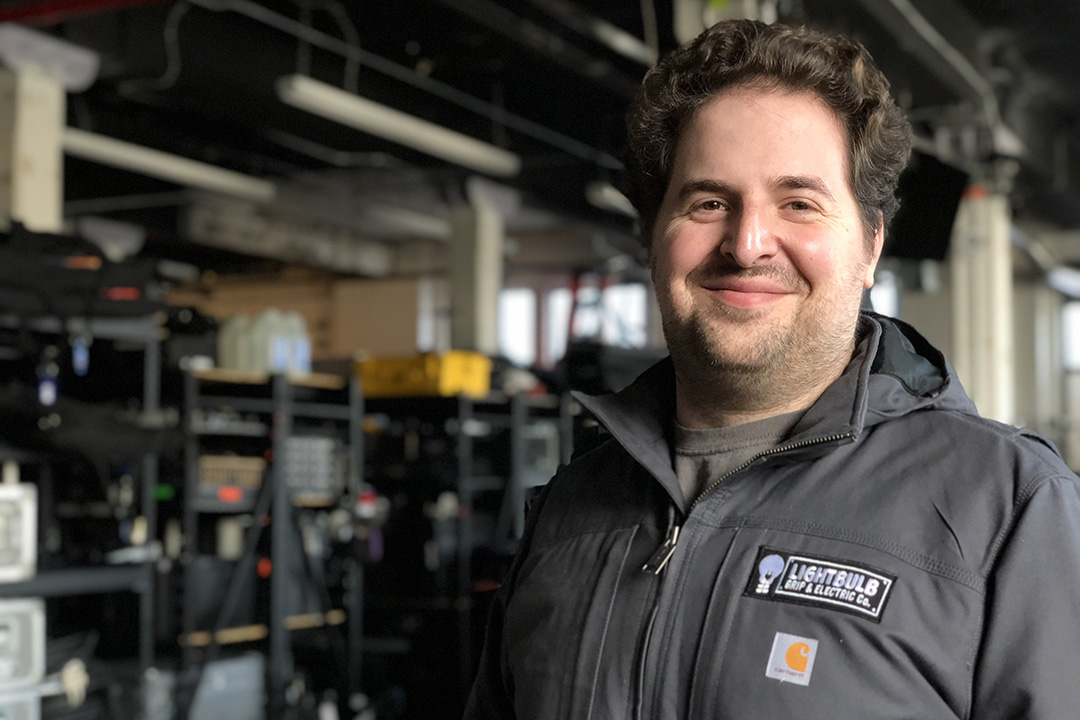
point(820, 582)
point(769, 568)
point(792, 659)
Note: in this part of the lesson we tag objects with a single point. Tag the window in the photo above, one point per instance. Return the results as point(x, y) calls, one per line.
point(557, 323)
point(1070, 336)
point(517, 325)
point(616, 316)
point(625, 315)
point(885, 295)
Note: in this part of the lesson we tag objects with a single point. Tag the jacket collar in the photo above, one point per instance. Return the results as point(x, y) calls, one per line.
point(894, 371)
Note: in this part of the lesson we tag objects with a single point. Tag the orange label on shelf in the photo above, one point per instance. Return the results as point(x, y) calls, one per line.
point(230, 494)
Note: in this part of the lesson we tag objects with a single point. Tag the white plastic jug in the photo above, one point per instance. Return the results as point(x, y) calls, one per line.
point(233, 344)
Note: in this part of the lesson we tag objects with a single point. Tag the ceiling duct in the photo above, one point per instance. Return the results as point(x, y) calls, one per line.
point(371, 117)
point(173, 168)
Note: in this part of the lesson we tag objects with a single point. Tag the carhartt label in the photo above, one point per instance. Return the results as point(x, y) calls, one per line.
point(792, 659)
point(820, 581)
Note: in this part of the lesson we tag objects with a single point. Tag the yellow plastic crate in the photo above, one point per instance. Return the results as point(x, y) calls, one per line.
point(457, 372)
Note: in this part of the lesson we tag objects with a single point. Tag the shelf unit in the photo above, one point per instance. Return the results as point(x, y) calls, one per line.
point(136, 577)
point(279, 404)
point(82, 581)
point(482, 451)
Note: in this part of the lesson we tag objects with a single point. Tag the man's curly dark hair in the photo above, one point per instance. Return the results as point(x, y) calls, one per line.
point(746, 53)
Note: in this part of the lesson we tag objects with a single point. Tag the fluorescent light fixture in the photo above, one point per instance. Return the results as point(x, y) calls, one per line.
point(410, 223)
point(180, 170)
point(346, 108)
point(1065, 280)
point(606, 196)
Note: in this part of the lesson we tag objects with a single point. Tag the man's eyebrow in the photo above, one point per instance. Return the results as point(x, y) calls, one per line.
point(711, 187)
point(804, 182)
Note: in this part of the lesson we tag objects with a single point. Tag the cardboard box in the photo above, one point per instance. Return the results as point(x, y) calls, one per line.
point(345, 318)
point(389, 317)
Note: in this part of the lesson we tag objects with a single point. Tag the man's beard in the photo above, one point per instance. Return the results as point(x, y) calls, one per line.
point(696, 348)
point(786, 360)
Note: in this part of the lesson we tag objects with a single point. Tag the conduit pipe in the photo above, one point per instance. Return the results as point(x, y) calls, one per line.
point(886, 11)
point(441, 90)
point(174, 168)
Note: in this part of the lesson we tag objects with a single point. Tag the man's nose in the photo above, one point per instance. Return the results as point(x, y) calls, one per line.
point(749, 238)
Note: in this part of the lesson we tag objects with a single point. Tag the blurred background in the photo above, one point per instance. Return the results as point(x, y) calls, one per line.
point(293, 294)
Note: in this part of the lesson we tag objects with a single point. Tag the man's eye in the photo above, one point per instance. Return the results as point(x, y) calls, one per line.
point(710, 205)
point(800, 205)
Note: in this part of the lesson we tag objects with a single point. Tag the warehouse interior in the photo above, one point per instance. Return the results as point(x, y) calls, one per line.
point(294, 294)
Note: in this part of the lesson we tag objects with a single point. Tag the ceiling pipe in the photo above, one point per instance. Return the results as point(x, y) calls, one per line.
point(407, 75)
point(531, 36)
point(939, 55)
point(386, 122)
point(612, 36)
point(165, 166)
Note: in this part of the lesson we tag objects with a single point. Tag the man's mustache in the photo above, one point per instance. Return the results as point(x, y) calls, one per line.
point(713, 270)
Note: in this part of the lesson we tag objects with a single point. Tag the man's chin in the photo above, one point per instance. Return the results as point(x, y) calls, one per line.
point(743, 365)
point(736, 347)
point(746, 359)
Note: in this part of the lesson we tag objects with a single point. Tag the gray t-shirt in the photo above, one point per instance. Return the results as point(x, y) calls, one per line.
point(703, 456)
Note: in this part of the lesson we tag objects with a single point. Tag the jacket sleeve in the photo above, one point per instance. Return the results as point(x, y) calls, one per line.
point(492, 696)
point(1029, 663)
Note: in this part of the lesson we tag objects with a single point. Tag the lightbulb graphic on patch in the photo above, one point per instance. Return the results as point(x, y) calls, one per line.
point(769, 569)
point(797, 656)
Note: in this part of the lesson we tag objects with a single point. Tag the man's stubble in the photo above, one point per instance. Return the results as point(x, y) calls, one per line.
point(788, 359)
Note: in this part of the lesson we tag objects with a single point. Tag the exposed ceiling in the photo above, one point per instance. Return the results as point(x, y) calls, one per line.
point(197, 78)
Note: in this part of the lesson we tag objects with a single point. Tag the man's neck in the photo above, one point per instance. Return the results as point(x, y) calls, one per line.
point(692, 413)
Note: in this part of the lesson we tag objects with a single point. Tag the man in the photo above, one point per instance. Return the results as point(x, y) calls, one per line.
point(800, 514)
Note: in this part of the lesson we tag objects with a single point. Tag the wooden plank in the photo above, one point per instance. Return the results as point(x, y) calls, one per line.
point(230, 375)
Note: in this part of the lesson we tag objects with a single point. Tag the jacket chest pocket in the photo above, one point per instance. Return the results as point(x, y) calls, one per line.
point(813, 627)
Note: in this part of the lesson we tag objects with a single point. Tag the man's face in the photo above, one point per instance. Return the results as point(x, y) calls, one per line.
point(759, 256)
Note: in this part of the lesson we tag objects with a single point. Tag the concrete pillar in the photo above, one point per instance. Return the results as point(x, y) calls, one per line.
point(929, 313)
point(981, 268)
point(1040, 371)
point(1071, 446)
point(32, 121)
point(476, 276)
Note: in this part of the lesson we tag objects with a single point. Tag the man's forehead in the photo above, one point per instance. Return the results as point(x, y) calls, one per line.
point(801, 158)
point(799, 109)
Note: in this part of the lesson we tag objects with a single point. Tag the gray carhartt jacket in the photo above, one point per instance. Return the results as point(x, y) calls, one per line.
point(898, 557)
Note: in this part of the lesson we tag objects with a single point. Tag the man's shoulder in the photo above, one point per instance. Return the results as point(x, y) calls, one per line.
point(1027, 443)
point(971, 445)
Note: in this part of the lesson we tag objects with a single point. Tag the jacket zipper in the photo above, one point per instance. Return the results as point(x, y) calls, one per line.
point(659, 559)
point(774, 451)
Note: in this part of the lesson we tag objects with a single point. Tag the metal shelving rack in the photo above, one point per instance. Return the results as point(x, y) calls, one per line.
point(273, 397)
point(138, 577)
point(474, 424)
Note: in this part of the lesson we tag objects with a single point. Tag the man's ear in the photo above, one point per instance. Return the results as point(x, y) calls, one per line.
point(875, 252)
